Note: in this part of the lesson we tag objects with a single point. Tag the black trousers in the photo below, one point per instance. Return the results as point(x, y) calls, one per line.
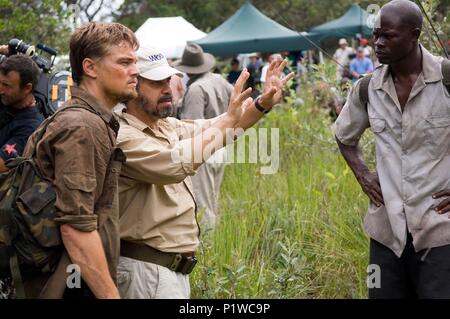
point(424, 275)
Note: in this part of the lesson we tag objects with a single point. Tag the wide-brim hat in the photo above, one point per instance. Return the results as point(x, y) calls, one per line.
point(194, 60)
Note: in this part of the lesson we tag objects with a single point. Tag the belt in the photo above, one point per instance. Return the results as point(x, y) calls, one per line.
point(182, 263)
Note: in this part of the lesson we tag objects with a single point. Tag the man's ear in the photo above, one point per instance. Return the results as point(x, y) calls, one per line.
point(28, 88)
point(89, 68)
point(416, 34)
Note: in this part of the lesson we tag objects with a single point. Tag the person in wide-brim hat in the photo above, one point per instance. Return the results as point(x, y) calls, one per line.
point(194, 60)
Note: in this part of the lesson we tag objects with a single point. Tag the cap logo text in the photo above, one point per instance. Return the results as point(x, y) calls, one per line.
point(156, 57)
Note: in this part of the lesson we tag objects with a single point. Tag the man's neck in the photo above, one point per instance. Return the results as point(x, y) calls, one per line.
point(103, 98)
point(26, 103)
point(194, 77)
point(409, 65)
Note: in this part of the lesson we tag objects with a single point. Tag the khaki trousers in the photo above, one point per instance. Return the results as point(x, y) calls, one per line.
point(142, 280)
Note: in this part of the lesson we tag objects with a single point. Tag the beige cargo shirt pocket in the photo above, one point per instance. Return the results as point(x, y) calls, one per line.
point(437, 136)
point(380, 129)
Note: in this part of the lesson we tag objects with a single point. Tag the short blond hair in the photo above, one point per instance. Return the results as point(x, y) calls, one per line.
point(93, 40)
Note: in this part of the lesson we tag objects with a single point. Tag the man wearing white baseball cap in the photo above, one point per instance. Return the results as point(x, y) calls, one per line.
point(158, 221)
point(342, 56)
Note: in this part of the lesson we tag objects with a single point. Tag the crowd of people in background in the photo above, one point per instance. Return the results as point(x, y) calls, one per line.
point(352, 62)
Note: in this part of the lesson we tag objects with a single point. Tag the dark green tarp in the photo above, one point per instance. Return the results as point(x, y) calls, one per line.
point(248, 30)
point(352, 22)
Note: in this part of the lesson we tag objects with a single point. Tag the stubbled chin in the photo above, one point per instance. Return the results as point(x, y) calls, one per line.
point(130, 95)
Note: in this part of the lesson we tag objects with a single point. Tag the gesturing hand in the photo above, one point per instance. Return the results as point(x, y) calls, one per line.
point(273, 87)
point(239, 100)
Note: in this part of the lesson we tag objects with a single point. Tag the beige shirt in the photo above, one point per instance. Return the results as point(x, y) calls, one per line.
point(157, 205)
point(412, 153)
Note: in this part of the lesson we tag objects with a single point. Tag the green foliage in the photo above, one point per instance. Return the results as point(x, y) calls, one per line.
point(297, 233)
point(44, 21)
point(435, 10)
point(208, 14)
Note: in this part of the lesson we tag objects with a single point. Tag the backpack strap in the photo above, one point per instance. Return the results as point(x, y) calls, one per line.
point(446, 74)
point(51, 119)
point(15, 274)
point(364, 89)
point(56, 284)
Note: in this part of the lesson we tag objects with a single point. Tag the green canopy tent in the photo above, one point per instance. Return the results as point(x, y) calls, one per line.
point(352, 22)
point(248, 30)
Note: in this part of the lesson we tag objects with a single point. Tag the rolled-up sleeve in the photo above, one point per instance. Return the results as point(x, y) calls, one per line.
point(353, 119)
point(80, 168)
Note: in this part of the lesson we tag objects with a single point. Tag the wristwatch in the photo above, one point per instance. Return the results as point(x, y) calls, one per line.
point(259, 106)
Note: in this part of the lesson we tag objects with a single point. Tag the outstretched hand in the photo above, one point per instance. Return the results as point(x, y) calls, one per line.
point(239, 99)
point(273, 88)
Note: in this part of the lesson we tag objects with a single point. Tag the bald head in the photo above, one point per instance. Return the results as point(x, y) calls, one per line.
point(397, 31)
point(404, 12)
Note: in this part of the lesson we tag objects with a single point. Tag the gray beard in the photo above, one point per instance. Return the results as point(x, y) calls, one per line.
point(158, 113)
point(162, 114)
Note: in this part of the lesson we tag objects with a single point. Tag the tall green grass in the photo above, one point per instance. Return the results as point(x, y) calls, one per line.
point(295, 234)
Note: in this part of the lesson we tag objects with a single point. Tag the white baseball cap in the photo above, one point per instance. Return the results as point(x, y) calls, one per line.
point(153, 65)
point(343, 41)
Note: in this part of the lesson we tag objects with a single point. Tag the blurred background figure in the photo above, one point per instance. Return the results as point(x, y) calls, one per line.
point(368, 50)
point(342, 56)
point(178, 87)
point(254, 68)
point(361, 65)
point(234, 72)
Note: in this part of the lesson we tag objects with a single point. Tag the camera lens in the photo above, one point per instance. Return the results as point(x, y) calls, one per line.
point(18, 46)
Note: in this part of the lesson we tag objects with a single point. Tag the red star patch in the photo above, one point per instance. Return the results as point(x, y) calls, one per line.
point(10, 149)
